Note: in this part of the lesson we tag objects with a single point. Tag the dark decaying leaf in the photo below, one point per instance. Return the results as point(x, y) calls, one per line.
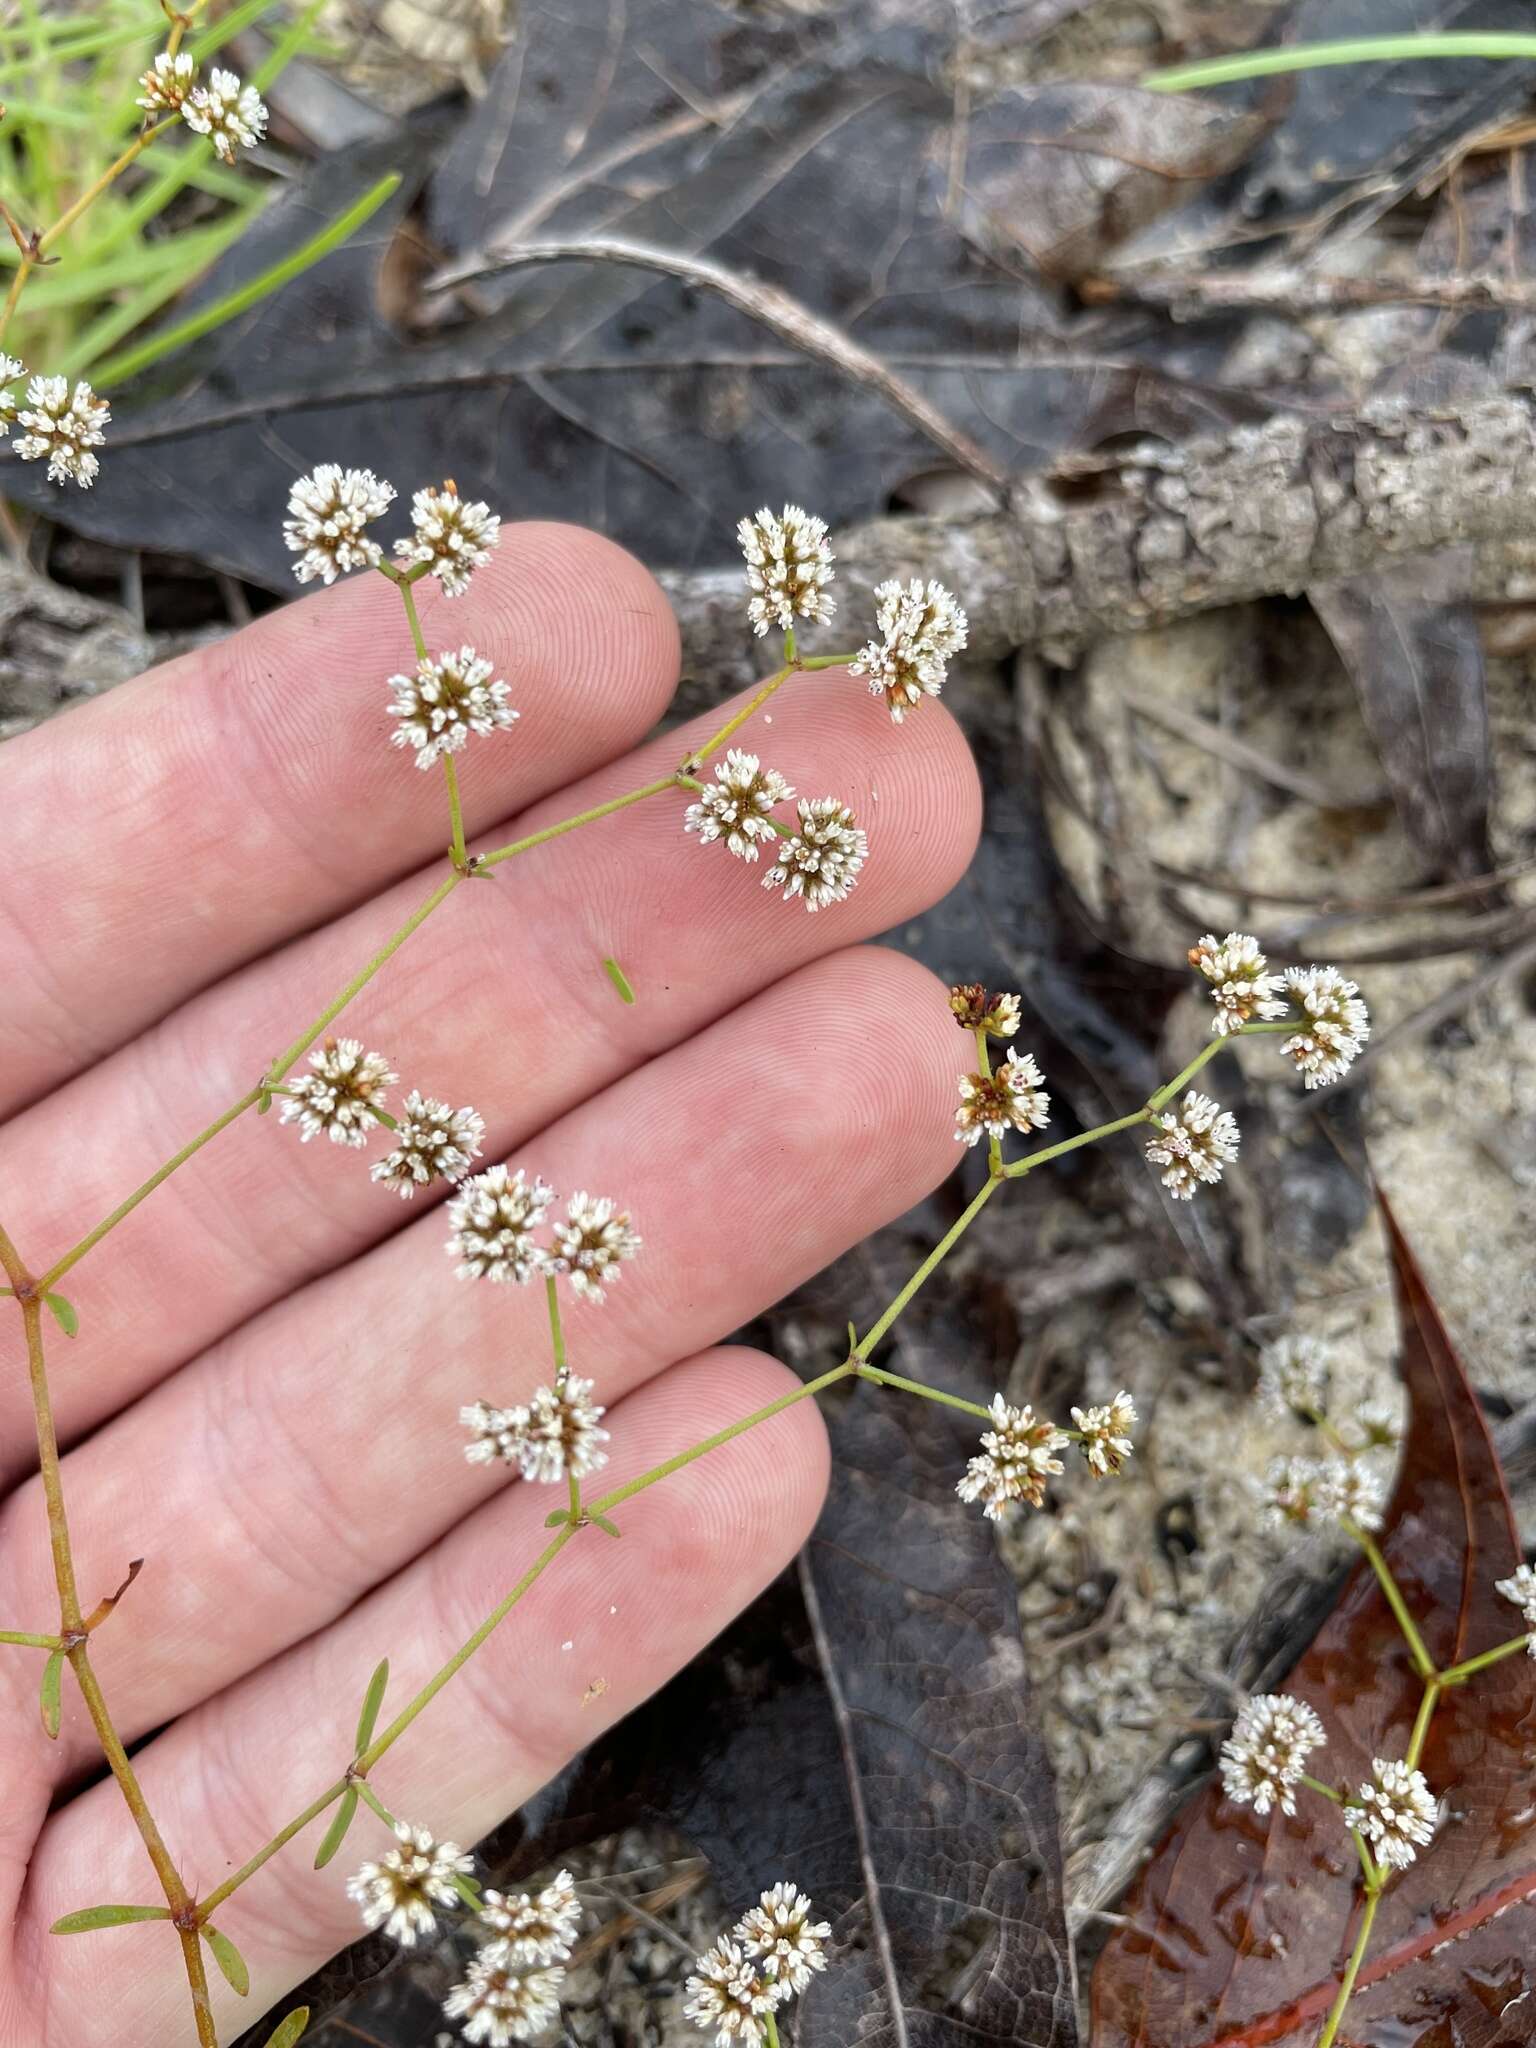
point(1412, 648)
point(819, 152)
point(1239, 1928)
point(1349, 141)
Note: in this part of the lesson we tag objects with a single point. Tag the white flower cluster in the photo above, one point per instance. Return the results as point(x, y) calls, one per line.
point(1395, 1811)
point(768, 1958)
point(818, 861)
point(445, 699)
point(737, 808)
point(342, 1098)
point(1192, 1144)
point(920, 627)
point(329, 509)
point(402, 1891)
point(1521, 1589)
point(556, 1436)
point(976, 1009)
point(1293, 1376)
point(1011, 1097)
point(1308, 1491)
point(789, 566)
point(1263, 1758)
point(230, 114)
point(60, 426)
point(496, 1214)
point(1105, 1434)
point(1018, 1453)
point(511, 1990)
point(1332, 1022)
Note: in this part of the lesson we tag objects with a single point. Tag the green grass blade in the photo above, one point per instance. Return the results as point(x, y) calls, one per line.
point(1358, 50)
point(130, 361)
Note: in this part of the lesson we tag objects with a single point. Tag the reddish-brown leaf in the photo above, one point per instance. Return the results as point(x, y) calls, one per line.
point(1237, 1932)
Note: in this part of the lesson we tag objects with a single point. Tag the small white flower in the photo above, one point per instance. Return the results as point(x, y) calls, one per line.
point(345, 1084)
point(821, 861)
point(433, 1142)
point(11, 367)
point(230, 114)
point(500, 2003)
point(494, 1433)
point(779, 1929)
point(736, 808)
point(535, 1930)
point(559, 1435)
point(1011, 1097)
point(1396, 1812)
point(920, 628)
point(974, 1009)
point(1192, 1144)
point(62, 425)
point(402, 1889)
point(442, 702)
point(1335, 1028)
point(455, 535)
point(1289, 1492)
point(1266, 1753)
point(1240, 980)
point(1521, 1589)
point(1346, 1490)
point(1015, 1460)
point(1379, 1426)
point(591, 1245)
point(165, 86)
point(789, 566)
point(730, 1993)
point(1293, 1376)
point(327, 512)
point(494, 1216)
point(1106, 1433)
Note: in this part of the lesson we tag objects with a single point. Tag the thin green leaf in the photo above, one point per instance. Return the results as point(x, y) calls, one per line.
point(373, 1699)
point(468, 1891)
point(62, 1309)
point(291, 2029)
point(555, 1520)
point(336, 1833)
point(128, 362)
point(619, 979)
point(52, 1694)
point(91, 1917)
point(602, 1522)
point(1357, 50)
point(230, 1961)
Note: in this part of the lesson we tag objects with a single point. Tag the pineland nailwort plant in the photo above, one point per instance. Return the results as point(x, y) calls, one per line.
point(505, 1228)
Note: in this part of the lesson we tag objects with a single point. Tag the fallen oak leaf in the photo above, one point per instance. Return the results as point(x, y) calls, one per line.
point(1237, 1933)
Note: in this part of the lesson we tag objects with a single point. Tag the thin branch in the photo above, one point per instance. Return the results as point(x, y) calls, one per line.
point(787, 317)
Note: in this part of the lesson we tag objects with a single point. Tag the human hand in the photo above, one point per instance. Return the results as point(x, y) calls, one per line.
point(262, 1397)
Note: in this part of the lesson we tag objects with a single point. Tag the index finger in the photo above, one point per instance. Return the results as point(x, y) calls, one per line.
point(240, 795)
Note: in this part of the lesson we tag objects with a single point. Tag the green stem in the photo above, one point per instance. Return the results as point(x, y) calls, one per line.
point(754, 704)
point(556, 1333)
point(809, 664)
point(1421, 1721)
point(455, 812)
point(1459, 1673)
point(273, 1075)
point(1423, 1663)
point(770, 2030)
point(280, 1840)
point(26, 1642)
point(1356, 50)
point(930, 1265)
point(1185, 1075)
point(1034, 1159)
point(894, 1379)
point(618, 803)
point(1317, 1785)
point(1351, 1971)
point(620, 1494)
point(984, 1067)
